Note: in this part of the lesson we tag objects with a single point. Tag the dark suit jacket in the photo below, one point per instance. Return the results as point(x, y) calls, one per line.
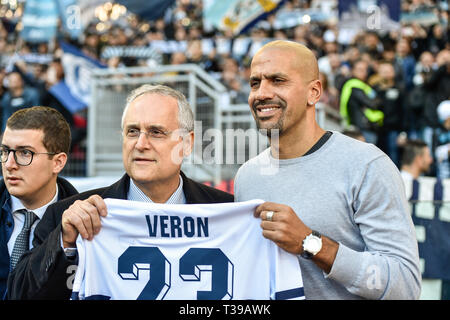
point(65, 189)
point(45, 271)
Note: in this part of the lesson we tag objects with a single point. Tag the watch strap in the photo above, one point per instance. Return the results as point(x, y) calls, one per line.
point(315, 233)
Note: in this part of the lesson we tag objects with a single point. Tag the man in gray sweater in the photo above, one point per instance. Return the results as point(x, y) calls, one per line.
point(337, 203)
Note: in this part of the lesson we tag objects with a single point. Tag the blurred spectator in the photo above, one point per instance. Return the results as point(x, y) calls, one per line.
point(438, 38)
point(415, 118)
point(425, 64)
point(300, 34)
point(418, 38)
point(236, 93)
point(178, 58)
point(161, 29)
point(330, 65)
point(329, 94)
point(437, 88)
point(230, 77)
point(404, 63)
point(348, 59)
point(416, 160)
point(17, 97)
point(180, 34)
point(391, 94)
point(3, 89)
point(245, 72)
point(443, 140)
point(195, 32)
point(91, 46)
point(117, 37)
point(359, 104)
point(388, 54)
point(195, 55)
point(371, 45)
point(2, 79)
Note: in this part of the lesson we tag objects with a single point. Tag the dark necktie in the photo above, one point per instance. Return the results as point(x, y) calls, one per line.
point(23, 239)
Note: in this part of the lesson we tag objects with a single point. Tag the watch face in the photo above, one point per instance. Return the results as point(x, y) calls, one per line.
point(314, 245)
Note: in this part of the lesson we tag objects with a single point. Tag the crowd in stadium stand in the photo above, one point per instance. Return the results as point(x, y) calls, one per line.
point(408, 70)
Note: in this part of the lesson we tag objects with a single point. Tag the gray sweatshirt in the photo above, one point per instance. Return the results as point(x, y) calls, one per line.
point(351, 192)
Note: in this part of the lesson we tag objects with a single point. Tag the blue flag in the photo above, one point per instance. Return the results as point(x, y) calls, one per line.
point(77, 72)
point(239, 15)
point(147, 10)
point(40, 20)
point(62, 93)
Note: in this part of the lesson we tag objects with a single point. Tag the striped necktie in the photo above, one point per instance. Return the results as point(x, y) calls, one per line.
point(23, 239)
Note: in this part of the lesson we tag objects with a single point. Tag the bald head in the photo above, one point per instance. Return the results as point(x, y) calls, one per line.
point(303, 59)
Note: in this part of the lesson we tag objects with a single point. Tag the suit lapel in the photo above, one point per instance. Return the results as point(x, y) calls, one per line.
point(118, 190)
point(191, 190)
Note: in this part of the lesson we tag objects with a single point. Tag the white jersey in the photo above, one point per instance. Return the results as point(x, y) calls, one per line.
point(184, 252)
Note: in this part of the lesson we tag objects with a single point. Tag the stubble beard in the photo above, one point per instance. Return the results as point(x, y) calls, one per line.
point(269, 130)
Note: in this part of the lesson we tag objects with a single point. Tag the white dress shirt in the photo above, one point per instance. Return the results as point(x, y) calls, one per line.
point(136, 194)
point(19, 219)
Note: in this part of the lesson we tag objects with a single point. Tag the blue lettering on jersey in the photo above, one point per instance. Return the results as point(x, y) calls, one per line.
point(176, 227)
point(192, 264)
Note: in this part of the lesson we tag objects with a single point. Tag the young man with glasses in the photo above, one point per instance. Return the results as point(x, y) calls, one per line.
point(33, 152)
point(157, 133)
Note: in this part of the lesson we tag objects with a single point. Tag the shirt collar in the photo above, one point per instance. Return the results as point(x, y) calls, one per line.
point(16, 204)
point(406, 175)
point(136, 194)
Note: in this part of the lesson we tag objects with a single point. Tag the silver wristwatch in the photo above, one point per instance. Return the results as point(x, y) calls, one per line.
point(312, 244)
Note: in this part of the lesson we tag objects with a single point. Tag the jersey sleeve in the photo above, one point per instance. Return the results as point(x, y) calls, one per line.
point(286, 277)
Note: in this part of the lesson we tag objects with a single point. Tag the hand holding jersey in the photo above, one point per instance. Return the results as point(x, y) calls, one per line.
point(285, 228)
point(82, 217)
point(288, 231)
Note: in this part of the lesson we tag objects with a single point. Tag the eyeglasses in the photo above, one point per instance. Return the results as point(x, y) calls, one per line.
point(23, 157)
point(153, 133)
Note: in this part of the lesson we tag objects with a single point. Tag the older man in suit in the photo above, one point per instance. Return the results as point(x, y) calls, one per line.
point(158, 131)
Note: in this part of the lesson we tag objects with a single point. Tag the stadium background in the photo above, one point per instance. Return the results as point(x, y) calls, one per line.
point(83, 57)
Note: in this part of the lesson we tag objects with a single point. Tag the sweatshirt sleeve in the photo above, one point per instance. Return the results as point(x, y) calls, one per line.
point(388, 268)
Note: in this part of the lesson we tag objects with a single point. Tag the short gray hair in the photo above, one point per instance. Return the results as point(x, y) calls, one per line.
point(185, 114)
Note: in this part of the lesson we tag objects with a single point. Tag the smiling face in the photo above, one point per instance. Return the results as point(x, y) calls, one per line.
point(283, 80)
point(154, 159)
